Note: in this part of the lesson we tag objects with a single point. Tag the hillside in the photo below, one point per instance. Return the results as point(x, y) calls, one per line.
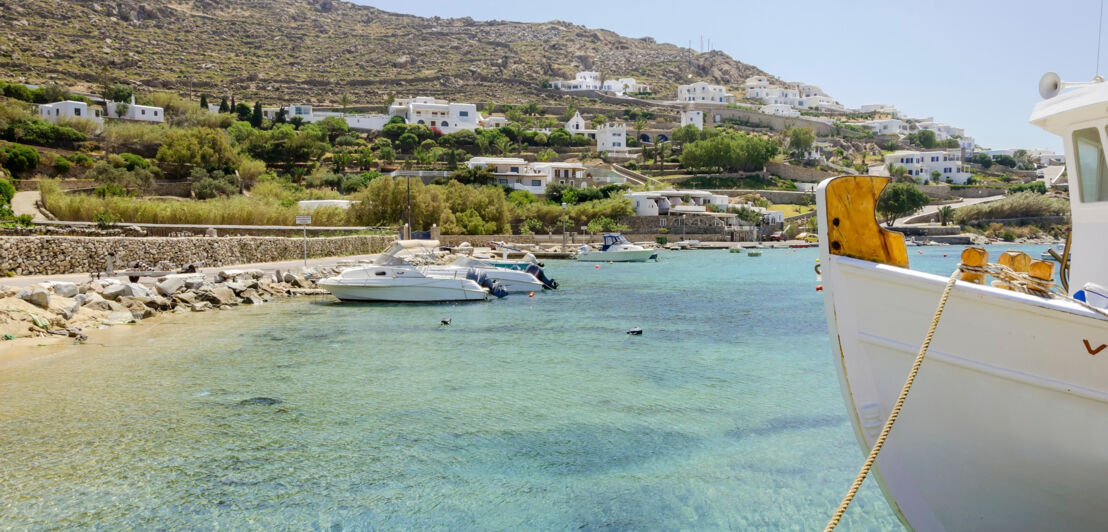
point(317, 50)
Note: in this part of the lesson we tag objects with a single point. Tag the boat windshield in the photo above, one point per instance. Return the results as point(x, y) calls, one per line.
point(1091, 169)
point(611, 240)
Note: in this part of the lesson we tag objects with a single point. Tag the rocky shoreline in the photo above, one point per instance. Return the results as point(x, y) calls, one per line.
point(66, 309)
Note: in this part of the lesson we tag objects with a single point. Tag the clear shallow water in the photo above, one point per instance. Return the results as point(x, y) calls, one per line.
point(524, 414)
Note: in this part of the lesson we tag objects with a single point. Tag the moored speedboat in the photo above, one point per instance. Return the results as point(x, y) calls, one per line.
point(390, 278)
point(513, 281)
point(616, 248)
point(1002, 429)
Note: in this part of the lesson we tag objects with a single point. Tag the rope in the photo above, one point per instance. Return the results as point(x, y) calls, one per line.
point(897, 407)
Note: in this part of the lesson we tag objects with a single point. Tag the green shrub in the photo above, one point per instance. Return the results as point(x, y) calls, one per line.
point(80, 159)
point(207, 185)
point(105, 219)
point(35, 131)
point(19, 158)
point(61, 165)
point(18, 91)
point(132, 161)
point(109, 190)
point(7, 191)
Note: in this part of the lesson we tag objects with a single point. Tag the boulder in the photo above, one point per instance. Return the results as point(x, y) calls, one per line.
point(201, 306)
point(8, 291)
point(194, 283)
point(169, 286)
point(139, 290)
point(121, 316)
point(218, 296)
point(251, 297)
point(39, 297)
point(64, 289)
point(116, 291)
point(295, 280)
point(81, 299)
point(71, 311)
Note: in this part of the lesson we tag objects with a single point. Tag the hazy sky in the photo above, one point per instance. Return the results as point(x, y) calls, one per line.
point(972, 64)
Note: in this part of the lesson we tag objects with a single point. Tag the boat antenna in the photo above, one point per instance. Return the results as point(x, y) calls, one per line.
point(1099, 31)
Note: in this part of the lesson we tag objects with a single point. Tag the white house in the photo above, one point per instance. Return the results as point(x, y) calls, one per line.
point(889, 126)
point(51, 112)
point(701, 92)
point(577, 124)
point(447, 117)
point(880, 108)
point(779, 110)
point(359, 122)
point(1047, 157)
point(967, 144)
point(920, 165)
point(612, 138)
point(692, 116)
point(493, 122)
point(133, 111)
point(583, 81)
point(532, 177)
point(942, 131)
point(625, 86)
point(669, 202)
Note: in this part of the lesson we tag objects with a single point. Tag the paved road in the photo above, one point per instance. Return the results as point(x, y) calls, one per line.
point(24, 203)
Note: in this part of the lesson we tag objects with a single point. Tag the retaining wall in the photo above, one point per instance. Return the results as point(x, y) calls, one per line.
point(49, 255)
point(797, 173)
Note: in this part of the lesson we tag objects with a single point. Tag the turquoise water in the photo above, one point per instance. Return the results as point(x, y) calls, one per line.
point(524, 414)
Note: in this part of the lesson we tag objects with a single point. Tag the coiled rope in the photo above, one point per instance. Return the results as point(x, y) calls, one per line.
point(877, 445)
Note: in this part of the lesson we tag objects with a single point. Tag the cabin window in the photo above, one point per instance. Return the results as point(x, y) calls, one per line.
point(1091, 170)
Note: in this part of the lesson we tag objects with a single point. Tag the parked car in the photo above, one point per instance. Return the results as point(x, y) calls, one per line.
point(778, 236)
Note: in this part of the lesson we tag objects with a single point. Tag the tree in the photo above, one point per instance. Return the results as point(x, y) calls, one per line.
point(800, 140)
point(243, 111)
point(503, 145)
point(407, 141)
point(559, 137)
point(223, 107)
point(19, 158)
point(984, 160)
point(640, 125)
point(1005, 160)
point(116, 93)
point(387, 154)
point(946, 214)
point(256, 116)
point(926, 138)
point(202, 147)
point(121, 109)
point(898, 173)
point(935, 175)
point(546, 155)
point(204, 101)
point(345, 101)
point(900, 199)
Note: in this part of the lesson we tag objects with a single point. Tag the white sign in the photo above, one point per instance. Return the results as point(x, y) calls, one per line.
point(303, 219)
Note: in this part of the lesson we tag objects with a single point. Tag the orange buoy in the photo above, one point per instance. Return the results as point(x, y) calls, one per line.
point(819, 288)
point(598, 266)
point(532, 294)
point(610, 262)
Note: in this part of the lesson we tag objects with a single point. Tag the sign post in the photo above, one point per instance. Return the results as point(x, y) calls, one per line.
point(304, 220)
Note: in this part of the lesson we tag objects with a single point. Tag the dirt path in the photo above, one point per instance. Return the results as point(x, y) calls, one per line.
point(24, 203)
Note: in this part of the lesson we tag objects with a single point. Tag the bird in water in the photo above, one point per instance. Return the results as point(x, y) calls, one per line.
point(635, 331)
point(446, 322)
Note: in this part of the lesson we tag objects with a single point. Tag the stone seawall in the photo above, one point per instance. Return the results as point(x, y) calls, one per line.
point(49, 255)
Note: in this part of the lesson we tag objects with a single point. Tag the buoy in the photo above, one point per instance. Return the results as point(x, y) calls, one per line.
point(819, 288)
point(532, 294)
point(920, 252)
point(610, 262)
point(944, 255)
point(598, 266)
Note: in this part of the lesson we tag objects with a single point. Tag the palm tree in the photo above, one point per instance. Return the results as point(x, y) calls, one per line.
point(661, 150)
point(345, 102)
point(898, 173)
point(503, 145)
point(640, 125)
point(482, 144)
point(946, 214)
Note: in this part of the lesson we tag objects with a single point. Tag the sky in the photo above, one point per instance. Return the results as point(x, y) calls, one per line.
point(971, 64)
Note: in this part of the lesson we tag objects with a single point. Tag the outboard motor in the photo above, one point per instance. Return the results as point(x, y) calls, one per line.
point(481, 278)
point(535, 270)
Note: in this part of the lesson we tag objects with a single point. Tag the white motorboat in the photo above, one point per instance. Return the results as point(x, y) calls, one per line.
point(1004, 428)
point(390, 278)
point(616, 248)
point(513, 281)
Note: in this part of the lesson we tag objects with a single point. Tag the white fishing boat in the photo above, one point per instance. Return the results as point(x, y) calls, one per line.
point(391, 278)
point(1004, 428)
point(616, 248)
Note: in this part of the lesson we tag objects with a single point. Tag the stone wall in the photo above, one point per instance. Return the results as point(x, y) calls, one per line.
point(777, 123)
point(797, 173)
point(24, 185)
point(49, 255)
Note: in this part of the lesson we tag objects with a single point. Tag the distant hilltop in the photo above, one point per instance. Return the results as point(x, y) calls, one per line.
point(318, 50)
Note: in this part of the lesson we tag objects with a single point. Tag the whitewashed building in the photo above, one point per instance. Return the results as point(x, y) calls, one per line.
point(692, 116)
point(942, 131)
point(880, 108)
point(51, 112)
point(701, 92)
point(577, 125)
point(920, 165)
point(133, 111)
point(432, 112)
point(532, 177)
point(493, 122)
point(612, 138)
point(670, 202)
point(625, 86)
point(777, 109)
point(355, 121)
point(889, 126)
point(582, 81)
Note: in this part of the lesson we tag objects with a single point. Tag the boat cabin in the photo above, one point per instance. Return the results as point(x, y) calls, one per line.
point(613, 239)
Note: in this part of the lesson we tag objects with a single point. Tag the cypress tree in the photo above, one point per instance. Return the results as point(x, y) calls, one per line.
point(204, 102)
point(223, 107)
point(256, 118)
point(232, 101)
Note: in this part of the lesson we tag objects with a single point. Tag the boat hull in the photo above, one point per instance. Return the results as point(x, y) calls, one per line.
point(640, 255)
point(514, 281)
point(416, 290)
point(1006, 423)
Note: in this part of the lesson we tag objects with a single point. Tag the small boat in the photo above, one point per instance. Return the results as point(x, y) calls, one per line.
point(513, 281)
point(735, 250)
point(616, 248)
point(1057, 248)
point(1003, 428)
point(390, 278)
point(754, 253)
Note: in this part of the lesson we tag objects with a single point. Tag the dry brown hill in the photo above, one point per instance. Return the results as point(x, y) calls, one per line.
point(315, 50)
